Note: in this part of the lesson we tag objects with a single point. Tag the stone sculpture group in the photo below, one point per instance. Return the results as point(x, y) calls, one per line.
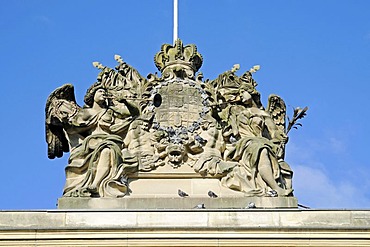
point(131, 124)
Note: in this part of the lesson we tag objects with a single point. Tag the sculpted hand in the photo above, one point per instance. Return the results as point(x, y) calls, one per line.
point(281, 138)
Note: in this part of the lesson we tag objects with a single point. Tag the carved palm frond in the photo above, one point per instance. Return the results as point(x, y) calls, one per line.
point(299, 113)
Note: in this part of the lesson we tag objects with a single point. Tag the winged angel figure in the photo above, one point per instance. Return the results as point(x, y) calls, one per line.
point(255, 137)
point(93, 135)
point(219, 128)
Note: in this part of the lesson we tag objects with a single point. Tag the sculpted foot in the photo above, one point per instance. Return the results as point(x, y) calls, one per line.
point(282, 192)
point(279, 192)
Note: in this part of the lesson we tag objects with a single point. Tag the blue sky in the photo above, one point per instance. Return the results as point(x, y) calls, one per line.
point(312, 53)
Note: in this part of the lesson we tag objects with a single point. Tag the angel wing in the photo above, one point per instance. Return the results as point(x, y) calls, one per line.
point(277, 109)
point(60, 105)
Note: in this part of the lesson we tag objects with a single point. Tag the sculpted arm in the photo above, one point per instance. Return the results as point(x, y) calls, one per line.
point(276, 134)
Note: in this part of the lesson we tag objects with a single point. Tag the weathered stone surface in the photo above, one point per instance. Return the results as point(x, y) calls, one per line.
point(195, 227)
point(138, 137)
point(176, 202)
point(30, 220)
point(213, 218)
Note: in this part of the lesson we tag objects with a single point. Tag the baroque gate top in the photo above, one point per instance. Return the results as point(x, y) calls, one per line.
point(173, 135)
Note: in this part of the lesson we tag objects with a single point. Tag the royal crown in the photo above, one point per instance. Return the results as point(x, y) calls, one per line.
point(178, 55)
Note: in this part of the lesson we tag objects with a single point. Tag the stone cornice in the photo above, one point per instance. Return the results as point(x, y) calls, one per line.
point(198, 227)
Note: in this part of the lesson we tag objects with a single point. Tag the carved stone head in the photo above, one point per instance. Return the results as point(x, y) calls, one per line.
point(90, 93)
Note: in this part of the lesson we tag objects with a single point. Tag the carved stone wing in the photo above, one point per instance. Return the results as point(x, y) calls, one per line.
point(277, 109)
point(60, 106)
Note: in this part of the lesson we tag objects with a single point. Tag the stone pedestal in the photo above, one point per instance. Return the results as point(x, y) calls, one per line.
point(159, 190)
point(176, 202)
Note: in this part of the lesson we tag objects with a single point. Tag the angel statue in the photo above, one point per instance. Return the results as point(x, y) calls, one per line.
point(94, 136)
point(135, 131)
point(255, 138)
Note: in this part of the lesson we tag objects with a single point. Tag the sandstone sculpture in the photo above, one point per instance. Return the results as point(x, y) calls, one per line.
point(130, 124)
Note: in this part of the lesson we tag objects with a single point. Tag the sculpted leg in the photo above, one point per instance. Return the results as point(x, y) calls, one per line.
point(288, 180)
point(102, 168)
point(265, 170)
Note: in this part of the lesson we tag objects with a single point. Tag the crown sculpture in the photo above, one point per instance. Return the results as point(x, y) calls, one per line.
point(176, 135)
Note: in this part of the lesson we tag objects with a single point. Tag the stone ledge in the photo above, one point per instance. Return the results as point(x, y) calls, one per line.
point(234, 227)
point(176, 203)
point(191, 219)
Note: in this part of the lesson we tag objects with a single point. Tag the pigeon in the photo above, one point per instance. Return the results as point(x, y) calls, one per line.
point(272, 193)
point(251, 205)
point(212, 194)
point(182, 193)
point(200, 206)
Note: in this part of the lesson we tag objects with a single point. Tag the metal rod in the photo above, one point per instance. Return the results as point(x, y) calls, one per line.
point(175, 20)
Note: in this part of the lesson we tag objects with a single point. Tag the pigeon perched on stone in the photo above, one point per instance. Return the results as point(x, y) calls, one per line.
point(272, 193)
point(200, 206)
point(182, 193)
point(212, 194)
point(251, 205)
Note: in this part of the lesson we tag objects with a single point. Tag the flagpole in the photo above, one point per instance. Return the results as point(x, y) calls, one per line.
point(175, 20)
